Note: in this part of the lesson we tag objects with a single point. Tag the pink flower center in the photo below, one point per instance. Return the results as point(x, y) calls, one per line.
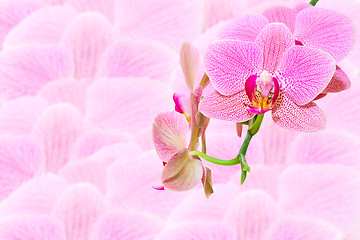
point(262, 91)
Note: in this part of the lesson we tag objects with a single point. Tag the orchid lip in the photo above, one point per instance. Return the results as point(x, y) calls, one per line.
point(262, 91)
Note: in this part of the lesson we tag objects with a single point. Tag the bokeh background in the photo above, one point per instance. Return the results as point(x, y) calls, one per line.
point(80, 84)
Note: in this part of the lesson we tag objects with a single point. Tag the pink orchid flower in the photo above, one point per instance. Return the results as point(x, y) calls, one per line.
point(268, 74)
point(182, 171)
point(311, 26)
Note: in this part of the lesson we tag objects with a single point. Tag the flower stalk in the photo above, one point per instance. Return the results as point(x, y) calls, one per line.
point(254, 126)
point(313, 2)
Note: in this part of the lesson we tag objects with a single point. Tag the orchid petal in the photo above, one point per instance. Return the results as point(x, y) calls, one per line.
point(229, 63)
point(22, 158)
point(250, 86)
point(93, 141)
point(262, 178)
point(216, 11)
point(306, 118)
point(182, 172)
point(244, 29)
point(326, 30)
point(275, 142)
point(170, 131)
point(126, 104)
point(302, 6)
point(331, 191)
point(135, 194)
point(309, 229)
point(24, 70)
point(274, 40)
point(126, 225)
point(13, 12)
point(105, 7)
point(167, 21)
point(45, 26)
point(87, 36)
point(65, 91)
point(199, 231)
point(304, 73)
point(58, 128)
point(281, 14)
point(93, 169)
point(190, 63)
point(230, 108)
point(78, 208)
point(138, 59)
point(327, 147)
point(32, 227)
point(251, 213)
point(339, 82)
point(18, 116)
point(196, 208)
point(35, 197)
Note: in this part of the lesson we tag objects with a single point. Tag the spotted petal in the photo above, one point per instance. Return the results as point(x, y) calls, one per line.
point(230, 108)
point(325, 29)
point(304, 73)
point(229, 63)
point(274, 40)
point(307, 118)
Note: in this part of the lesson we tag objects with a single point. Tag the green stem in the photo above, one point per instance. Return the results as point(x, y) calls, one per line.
point(254, 126)
point(313, 2)
point(253, 129)
point(230, 162)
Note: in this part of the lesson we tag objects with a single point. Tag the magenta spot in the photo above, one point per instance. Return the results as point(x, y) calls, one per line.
point(298, 43)
point(250, 86)
point(160, 188)
point(176, 98)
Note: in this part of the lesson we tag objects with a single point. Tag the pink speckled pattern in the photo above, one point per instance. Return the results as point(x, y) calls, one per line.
point(274, 40)
point(326, 30)
point(302, 73)
point(81, 82)
point(229, 63)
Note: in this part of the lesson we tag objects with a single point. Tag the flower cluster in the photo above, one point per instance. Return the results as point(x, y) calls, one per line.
point(281, 61)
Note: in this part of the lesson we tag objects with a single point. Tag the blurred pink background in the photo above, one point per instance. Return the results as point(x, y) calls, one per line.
point(80, 84)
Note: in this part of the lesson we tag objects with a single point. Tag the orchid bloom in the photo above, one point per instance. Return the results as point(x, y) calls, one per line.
point(181, 170)
point(311, 27)
point(268, 74)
